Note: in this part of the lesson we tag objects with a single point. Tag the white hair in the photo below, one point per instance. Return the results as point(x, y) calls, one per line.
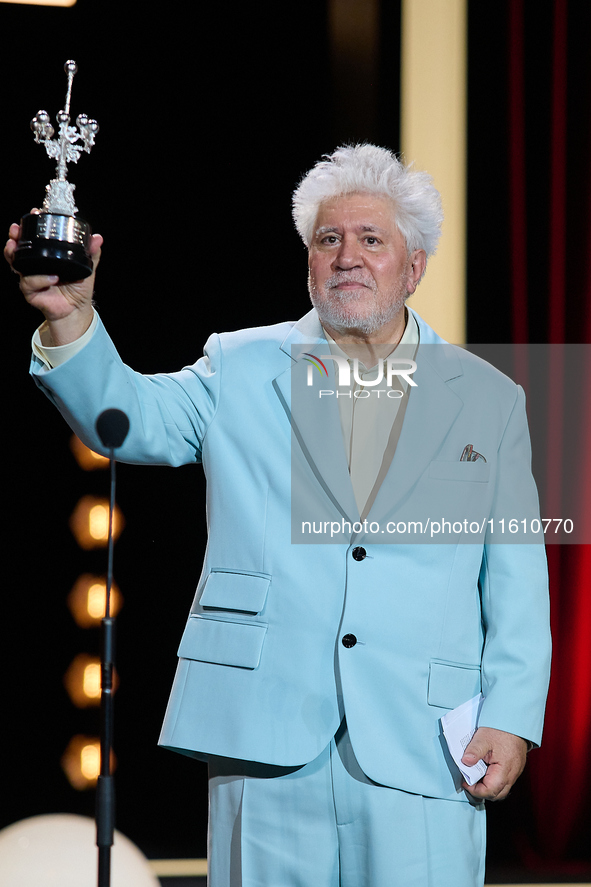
point(367, 168)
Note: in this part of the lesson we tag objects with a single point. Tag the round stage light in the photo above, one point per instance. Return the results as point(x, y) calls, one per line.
point(87, 459)
point(87, 600)
point(59, 850)
point(89, 522)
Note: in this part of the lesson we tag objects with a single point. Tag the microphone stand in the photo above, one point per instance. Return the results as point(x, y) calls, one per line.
point(112, 427)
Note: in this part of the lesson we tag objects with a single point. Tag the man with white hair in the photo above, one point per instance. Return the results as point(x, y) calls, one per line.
point(313, 677)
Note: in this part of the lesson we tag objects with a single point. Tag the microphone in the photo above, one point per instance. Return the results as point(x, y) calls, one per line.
point(112, 427)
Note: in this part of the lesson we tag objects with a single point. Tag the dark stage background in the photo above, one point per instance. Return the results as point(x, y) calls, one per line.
point(207, 122)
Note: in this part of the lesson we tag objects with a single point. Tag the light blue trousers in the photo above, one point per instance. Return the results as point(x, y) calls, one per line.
point(327, 825)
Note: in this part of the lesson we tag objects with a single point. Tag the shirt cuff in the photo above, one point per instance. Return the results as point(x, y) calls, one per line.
point(55, 355)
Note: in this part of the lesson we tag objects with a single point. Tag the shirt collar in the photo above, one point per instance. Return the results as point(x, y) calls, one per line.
point(410, 336)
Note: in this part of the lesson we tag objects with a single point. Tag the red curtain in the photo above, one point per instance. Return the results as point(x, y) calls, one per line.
point(560, 772)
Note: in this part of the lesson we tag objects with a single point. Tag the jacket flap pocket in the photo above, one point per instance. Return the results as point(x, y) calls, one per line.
point(221, 642)
point(451, 683)
point(243, 592)
point(463, 471)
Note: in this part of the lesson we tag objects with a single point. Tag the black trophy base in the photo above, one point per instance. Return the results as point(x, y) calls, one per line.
point(52, 243)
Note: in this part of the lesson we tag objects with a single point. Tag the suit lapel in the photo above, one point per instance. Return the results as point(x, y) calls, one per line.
point(431, 411)
point(315, 420)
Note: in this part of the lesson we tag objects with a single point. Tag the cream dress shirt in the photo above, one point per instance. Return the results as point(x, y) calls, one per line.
point(368, 414)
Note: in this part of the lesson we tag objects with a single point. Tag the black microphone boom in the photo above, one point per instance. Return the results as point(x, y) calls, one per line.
point(112, 427)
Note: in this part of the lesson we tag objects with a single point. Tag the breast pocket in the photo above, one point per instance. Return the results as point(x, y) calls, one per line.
point(475, 472)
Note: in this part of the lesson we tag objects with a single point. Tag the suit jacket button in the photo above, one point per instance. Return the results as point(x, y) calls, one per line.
point(359, 553)
point(349, 640)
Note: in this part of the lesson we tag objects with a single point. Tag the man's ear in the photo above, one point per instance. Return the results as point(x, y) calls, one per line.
point(418, 263)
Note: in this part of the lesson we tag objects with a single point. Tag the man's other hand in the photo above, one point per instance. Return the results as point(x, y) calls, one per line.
point(67, 307)
point(505, 756)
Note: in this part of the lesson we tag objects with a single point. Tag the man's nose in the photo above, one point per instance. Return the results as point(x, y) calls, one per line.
point(349, 254)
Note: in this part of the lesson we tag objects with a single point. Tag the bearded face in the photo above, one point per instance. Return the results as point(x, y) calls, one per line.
point(360, 272)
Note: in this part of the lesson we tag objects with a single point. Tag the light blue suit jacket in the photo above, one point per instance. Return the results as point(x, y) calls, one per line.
point(263, 674)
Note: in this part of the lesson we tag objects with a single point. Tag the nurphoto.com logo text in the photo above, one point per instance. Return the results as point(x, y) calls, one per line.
point(386, 369)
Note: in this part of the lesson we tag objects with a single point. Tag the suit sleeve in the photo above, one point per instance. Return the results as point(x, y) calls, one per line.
point(169, 414)
point(514, 595)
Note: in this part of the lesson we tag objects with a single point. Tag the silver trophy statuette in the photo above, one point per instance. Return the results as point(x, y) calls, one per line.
point(54, 241)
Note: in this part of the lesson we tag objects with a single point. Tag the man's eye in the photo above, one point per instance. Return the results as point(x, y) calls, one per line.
point(371, 240)
point(329, 239)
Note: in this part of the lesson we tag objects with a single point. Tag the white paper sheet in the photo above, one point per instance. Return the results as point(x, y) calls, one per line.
point(459, 726)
